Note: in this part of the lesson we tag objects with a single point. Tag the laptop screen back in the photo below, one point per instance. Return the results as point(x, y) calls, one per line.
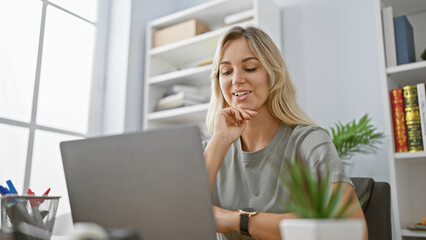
point(154, 182)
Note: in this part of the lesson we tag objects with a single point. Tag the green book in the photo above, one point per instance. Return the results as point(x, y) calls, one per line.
point(412, 119)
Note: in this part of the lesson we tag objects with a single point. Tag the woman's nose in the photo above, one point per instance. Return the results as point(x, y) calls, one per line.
point(238, 77)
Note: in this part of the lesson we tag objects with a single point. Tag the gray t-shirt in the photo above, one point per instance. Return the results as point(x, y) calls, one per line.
point(251, 179)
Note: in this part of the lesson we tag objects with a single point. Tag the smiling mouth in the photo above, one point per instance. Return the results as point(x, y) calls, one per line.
point(239, 94)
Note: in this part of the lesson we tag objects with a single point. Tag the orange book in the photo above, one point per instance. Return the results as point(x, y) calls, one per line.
point(398, 116)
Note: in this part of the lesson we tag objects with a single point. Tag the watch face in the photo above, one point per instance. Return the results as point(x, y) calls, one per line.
point(247, 211)
point(250, 210)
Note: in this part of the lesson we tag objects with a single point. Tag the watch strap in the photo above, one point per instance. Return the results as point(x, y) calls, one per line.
point(244, 221)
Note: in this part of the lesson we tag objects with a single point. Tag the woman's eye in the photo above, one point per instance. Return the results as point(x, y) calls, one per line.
point(226, 73)
point(250, 69)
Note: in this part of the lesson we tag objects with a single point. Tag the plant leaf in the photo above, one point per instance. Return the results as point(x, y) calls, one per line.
point(355, 137)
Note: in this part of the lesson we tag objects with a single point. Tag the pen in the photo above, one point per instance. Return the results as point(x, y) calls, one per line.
point(44, 213)
point(12, 188)
point(16, 209)
point(36, 212)
point(41, 200)
point(44, 194)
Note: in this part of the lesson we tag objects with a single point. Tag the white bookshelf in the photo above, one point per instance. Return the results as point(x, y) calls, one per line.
point(410, 233)
point(180, 115)
point(407, 170)
point(407, 74)
point(187, 76)
point(179, 62)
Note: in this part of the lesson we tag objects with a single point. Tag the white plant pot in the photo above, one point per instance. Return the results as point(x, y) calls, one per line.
point(322, 229)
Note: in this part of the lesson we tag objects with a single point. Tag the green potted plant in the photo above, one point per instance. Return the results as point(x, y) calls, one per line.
point(321, 216)
point(355, 137)
point(320, 211)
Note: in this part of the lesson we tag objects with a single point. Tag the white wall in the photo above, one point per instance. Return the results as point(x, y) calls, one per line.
point(331, 50)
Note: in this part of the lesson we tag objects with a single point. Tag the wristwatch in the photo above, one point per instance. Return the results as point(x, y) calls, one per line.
point(245, 215)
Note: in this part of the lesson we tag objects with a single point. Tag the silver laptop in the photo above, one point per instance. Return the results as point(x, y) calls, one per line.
point(154, 182)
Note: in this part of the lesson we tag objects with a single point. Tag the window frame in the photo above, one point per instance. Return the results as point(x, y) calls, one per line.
point(96, 104)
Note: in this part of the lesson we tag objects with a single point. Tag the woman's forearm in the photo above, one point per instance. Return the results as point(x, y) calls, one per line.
point(214, 154)
point(261, 225)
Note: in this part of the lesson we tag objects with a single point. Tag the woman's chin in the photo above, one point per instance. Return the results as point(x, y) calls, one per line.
point(245, 106)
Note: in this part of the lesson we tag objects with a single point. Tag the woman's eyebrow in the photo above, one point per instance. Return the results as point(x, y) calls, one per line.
point(248, 59)
point(244, 60)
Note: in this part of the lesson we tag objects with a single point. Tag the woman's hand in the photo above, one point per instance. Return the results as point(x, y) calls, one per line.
point(230, 123)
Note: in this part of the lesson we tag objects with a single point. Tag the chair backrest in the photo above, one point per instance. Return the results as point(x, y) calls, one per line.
point(376, 207)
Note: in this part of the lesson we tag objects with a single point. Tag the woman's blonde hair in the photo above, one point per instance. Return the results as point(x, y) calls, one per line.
point(282, 95)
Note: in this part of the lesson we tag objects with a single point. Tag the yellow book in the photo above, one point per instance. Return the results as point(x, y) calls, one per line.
point(412, 119)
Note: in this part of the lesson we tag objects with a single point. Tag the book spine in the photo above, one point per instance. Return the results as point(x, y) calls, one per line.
point(412, 119)
point(404, 40)
point(421, 97)
point(398, 117)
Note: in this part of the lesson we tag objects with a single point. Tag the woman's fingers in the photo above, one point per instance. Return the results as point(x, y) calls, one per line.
point(240, 114)
point(231, 122)
point(251, 113)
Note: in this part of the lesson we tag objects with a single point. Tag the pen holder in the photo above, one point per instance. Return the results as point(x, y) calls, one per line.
point(31, 217)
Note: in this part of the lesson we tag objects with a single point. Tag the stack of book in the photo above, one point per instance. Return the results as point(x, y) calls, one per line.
point(183, 95)
point(409, 118)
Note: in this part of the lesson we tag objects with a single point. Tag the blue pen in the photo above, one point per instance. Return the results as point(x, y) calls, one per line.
point(4, 191)
point(11, 213)
point(12, 188)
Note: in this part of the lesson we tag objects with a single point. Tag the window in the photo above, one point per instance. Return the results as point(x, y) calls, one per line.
point(47, 68)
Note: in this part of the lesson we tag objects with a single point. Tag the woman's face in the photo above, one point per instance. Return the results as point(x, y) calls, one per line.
point(243, 79)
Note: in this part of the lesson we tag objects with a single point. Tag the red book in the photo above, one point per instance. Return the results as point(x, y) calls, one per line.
point(398, 116)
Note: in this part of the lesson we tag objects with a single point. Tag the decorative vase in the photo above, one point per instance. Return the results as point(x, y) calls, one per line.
point(322, 229)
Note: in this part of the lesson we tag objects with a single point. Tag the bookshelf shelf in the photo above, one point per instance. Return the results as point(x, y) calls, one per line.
point(408, 74)
point(190, 52)
point(180, 115)
point(211, 13)
point(411, 158)
point(411, 233)
point(411, 155)
point(190, 76)
point(203, 40)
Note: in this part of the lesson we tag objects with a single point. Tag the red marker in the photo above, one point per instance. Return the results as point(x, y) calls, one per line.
point(34, 202)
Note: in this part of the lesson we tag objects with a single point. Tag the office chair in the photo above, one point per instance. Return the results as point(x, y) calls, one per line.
point(377, 207)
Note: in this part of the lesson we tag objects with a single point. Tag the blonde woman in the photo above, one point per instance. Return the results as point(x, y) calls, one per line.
point(256, 123)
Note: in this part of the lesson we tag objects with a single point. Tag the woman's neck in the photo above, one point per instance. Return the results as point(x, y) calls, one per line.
point(259, 131)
